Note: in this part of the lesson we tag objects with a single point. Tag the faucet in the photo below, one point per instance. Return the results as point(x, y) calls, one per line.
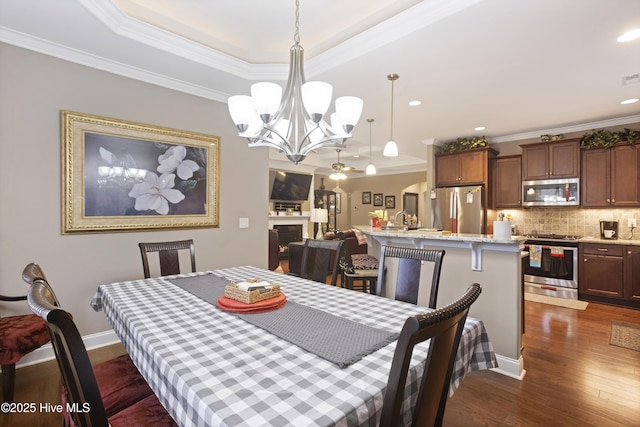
point(395, 218)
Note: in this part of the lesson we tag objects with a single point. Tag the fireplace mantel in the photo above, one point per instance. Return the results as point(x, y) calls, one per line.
point(291, 220)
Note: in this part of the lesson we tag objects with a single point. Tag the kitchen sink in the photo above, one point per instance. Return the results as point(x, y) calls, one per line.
point(394, 227)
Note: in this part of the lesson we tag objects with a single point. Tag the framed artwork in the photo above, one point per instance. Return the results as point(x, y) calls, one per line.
point(338, 202)
point(390, 202)
point(126, 176)
point(377, 199)
point(366, 197)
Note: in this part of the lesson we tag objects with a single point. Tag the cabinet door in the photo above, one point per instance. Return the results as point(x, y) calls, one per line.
point(473, 167)
point(601, 275)
point(535, 162)
point(506, 182)
point(632, 273)
point(447, 170)
point(563, 160)
point(595, 178)
point(625, 176)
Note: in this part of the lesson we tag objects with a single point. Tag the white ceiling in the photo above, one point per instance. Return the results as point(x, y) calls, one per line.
point(520, 68)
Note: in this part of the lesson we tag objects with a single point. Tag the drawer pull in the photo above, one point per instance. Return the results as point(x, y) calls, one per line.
point(603, 249)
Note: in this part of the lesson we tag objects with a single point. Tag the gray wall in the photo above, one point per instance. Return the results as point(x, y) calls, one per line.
point(354, 212)
point(34, 88)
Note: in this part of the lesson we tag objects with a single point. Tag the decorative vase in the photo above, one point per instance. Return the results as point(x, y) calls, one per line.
point(375, 222)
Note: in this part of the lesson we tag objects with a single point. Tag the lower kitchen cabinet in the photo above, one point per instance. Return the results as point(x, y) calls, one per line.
point(609, 273)
point(632, 273)
point(602, 270)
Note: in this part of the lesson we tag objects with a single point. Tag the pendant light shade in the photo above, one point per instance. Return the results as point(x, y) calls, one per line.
point(391, 148)
point(371, 169)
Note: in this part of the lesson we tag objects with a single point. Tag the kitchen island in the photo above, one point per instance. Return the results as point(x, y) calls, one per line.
point(472, 258)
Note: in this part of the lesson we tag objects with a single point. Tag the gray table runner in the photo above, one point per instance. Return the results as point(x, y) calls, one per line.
point(331, 337)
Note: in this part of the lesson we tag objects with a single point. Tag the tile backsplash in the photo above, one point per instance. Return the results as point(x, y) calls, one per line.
point(571, 221)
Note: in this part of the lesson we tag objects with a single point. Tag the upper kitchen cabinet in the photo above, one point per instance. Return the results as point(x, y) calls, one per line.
point(551, 160)
point(611, 177)
point(463, 168)
point(506, 177)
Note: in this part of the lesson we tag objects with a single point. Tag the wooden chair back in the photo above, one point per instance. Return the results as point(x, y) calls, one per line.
point(168, 255)
point(20, 335)
point(408, 272)
point(444, 328)
point(321, 258)
point(71, 354)
point(274, 249)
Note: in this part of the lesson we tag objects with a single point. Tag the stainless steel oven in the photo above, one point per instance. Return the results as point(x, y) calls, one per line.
point(552, 266)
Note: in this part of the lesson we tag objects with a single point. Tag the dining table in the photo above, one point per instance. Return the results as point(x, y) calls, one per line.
point(323, 359)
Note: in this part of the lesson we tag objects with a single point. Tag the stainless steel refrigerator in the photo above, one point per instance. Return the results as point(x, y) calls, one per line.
point(459, 209)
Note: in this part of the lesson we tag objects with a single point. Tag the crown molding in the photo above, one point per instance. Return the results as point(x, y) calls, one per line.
point(120, 24)
point(404, 23)
point(83, 58)
point(619, 121)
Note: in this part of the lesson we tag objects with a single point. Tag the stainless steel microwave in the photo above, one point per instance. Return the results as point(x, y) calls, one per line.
point(551, 192)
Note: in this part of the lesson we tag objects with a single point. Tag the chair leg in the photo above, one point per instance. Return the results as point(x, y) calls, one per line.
point(8, 380)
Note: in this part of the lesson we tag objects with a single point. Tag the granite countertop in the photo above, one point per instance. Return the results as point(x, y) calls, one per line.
point(609, 241)
point(437, 235)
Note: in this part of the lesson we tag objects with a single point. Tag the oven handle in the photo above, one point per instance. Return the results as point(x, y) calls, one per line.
point(566, 248)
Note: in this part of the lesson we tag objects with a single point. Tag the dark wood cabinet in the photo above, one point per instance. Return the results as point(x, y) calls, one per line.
point(325, 199)
point(602, 270)
point(610, 273)
point(506, 182)
point(551, 160)
point(463, 168)
point(632, 273)
point(611, 177)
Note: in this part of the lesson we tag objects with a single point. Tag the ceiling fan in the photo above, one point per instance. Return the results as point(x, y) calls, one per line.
point(339, 170)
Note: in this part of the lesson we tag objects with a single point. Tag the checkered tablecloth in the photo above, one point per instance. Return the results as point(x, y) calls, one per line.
point(211, 368)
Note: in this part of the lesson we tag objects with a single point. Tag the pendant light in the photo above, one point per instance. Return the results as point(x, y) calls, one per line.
point(391, 148)
point(371, 169)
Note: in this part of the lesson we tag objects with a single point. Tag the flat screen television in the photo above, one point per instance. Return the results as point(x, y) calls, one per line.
point(290, 186)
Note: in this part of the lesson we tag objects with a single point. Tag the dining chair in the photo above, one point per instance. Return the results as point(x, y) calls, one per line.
point(409, 265)
point(444, 328)
point(321, 258)
point(361, 268)
point(168, 253)
point(114, 390)
point(19, 335)
point(274, 249)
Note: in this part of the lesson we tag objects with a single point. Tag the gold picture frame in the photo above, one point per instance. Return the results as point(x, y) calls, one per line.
point(124, 176)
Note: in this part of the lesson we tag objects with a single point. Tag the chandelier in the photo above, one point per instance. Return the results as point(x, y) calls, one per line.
point(293, 121)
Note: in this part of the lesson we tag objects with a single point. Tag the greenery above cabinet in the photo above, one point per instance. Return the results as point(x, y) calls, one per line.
point(600, 138)
point(462, 144)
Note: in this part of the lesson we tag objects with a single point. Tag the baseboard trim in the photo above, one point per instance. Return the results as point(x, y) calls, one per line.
point(513, 368)
point(45, 353)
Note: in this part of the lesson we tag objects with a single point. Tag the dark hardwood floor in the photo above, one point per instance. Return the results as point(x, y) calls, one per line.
point(574, 377)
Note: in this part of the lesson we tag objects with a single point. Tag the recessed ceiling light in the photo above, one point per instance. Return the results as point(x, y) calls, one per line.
point(480, 128)
point(415, 103)
point(355, 156)
point(629, 101)
point(629, 36)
